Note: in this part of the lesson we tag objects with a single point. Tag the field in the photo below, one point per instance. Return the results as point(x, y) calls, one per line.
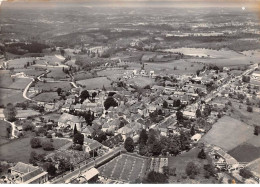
point(3, 131)
point(250, 118)
point(247, 151)
point(46, 97)
point(112, 74)
point(141, 81)
point(182, 66)
point(26, 113)
point(10, 96)
point(82, 75)
point(125, 168)
point(180, 162)
point(219, 57)
point(19, 150)
point(30, 71)
point(53, 86)
point(16, 83)
point(228, 133)
point(57, 73)
point(95, 83)
point(20, 62)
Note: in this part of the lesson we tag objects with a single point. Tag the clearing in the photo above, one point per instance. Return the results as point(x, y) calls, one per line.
point(228, 133)
point(95, 83)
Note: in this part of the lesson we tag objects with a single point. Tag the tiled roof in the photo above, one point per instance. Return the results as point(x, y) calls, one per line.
point(68, 117)
point(23, 168)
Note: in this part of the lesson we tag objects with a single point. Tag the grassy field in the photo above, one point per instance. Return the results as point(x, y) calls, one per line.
point(3, 131)
point(57, 73)
point(16, 83)
point(20, 62)
point(112, 74)
point(19, 150)
point(10, 96)
point(245, 152)
point(52, 86)
point(95, 83)
point(46, 97)
point(126, 168)
point(26, 113)
point(30, 71)
point(141, 81)
point(219, 57)
point(228, 133)
point(250, 118)
point(180, 162)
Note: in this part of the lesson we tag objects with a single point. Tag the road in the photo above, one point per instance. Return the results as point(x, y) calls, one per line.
point(13, 128)
point(98, 161)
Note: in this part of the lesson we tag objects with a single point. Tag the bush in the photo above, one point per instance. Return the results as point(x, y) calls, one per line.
point(49, 136)
point(35, 143)
point(249, 109)
point(192, 169)
point(77, 147)
point(202, 154)
point(47, 146)
point(28, 127)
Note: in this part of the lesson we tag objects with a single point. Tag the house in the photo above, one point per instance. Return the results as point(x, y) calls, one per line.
point(28, 174)
point(125, 132)
point(91, 175)
point(188, 114)
point(91, 145)
point(87, 131)
point(196, 137)
point(68, 120)
point(66, 107)
point(113, 141)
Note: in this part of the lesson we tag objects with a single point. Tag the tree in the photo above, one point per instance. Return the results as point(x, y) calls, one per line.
point(142, 149)
point(256, 130)
point(51, 169)
point(249, 109)
point(59, 90)
point(94, 94)
point(192, 131)
point(35, 143)
point(202, 154)
point(198, 113)
point(129, 144)
point(65, 165)
point(246, 78)
point(47, 146)
point(33, 158)
point(10, 112)
point(165, 104)
point(156, 148)
point(192, 169)
point(78, 138)
point(179, 116)
point(84, 95)
point(110, 101)
point(143, 137)
point(75, 130)
point(176, 103)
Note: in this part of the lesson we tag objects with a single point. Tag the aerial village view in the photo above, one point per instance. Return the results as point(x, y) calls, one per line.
point(116, 92)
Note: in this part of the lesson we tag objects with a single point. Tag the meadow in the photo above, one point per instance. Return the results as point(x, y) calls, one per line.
point(19, 150)
point(3, 131)
point(46, 97)
point(53, 86)
point(10, 96)
point(228, 133)
point(95, 83)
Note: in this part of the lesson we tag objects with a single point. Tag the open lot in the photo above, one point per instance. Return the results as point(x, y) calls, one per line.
point(125, 167)
point(95, 83)
point(228, 133)
point(180, 162)
point(19, 150)
point(46, 97)
point(10, 96)
point(53, 86)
